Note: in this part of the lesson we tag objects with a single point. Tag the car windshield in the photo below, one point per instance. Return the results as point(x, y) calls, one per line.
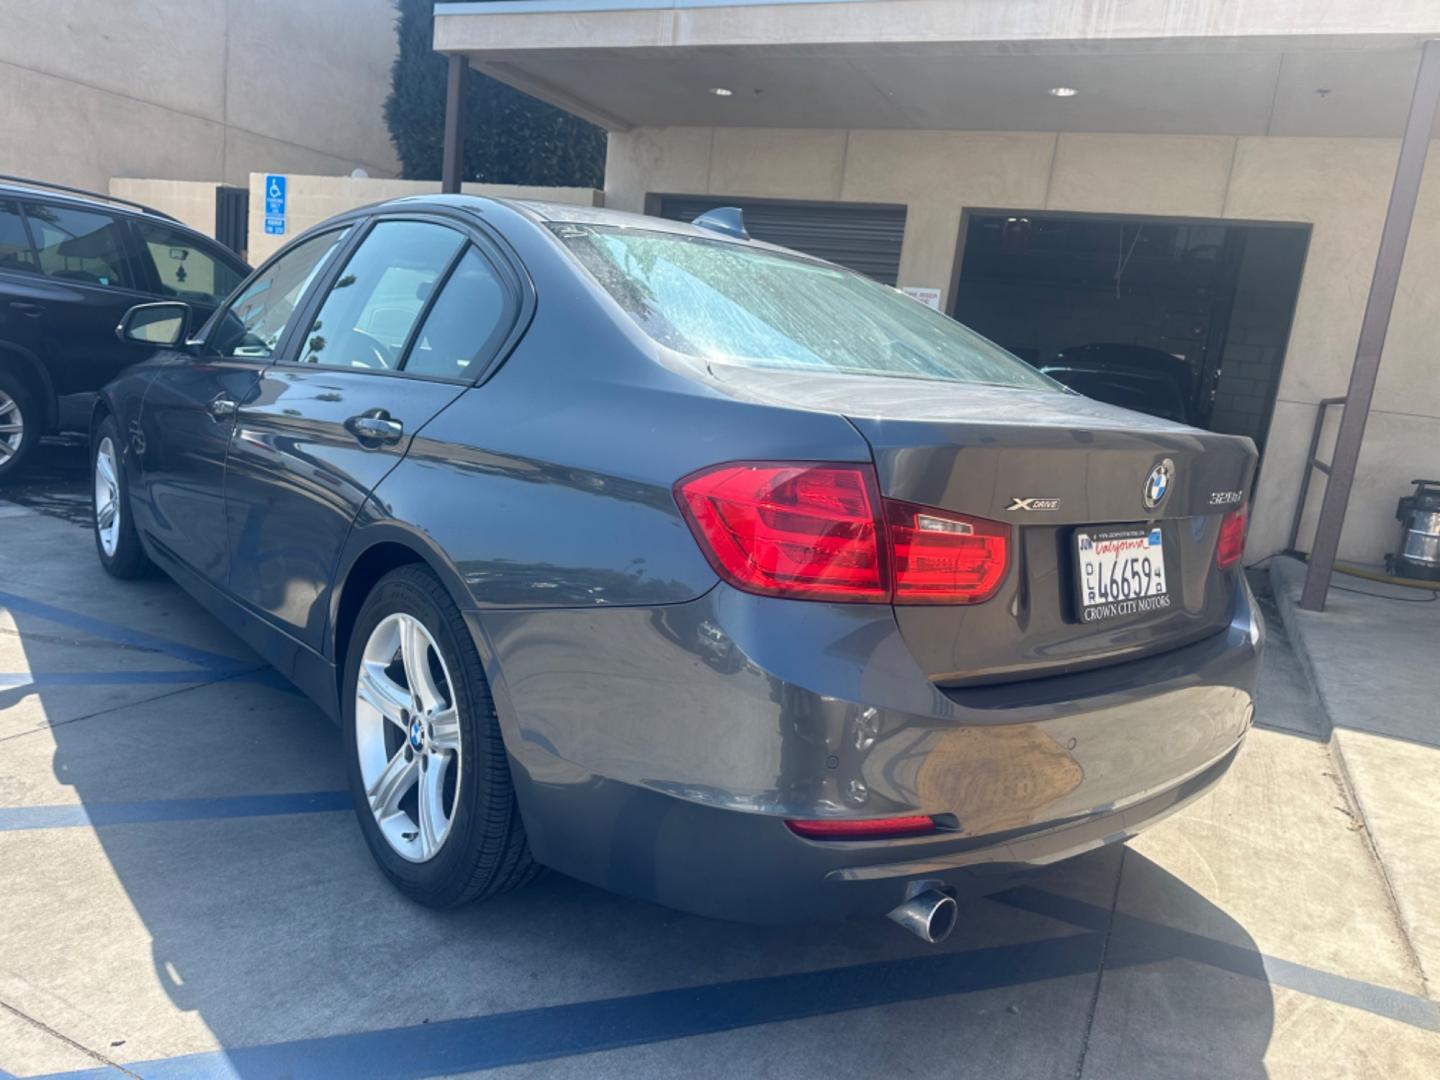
point(729, 304)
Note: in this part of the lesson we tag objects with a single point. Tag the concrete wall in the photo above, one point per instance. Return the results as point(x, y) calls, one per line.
point(312, 199)
point(193, 89)
point(190, 201)
point(1338, 186)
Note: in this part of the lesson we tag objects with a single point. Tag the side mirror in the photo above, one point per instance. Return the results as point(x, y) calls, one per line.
point(161, 325)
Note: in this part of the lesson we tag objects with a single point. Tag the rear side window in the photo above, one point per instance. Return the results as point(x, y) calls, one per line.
point(15, 250)
point(185, 269)
point(252, 325)
point(367, 316)
point(468, 315)
point(79, 245)
point(728, 303)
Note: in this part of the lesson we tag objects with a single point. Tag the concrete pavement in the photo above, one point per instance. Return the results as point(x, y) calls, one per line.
point(185, 893)
point(1374, 656)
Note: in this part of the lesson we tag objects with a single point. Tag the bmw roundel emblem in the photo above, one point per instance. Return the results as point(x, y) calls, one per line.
point(1158, 483)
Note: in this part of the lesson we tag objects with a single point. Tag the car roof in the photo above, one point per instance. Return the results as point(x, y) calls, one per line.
point(543, 212)
point(40, 189)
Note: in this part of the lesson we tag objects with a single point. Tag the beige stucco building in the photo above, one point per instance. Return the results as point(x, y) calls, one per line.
point(1200, 122)
point(197, 90)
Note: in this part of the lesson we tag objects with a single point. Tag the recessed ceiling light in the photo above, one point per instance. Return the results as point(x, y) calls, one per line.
point(722, 91)
point(1063, 91)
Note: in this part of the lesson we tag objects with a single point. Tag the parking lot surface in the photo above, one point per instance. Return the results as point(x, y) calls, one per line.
point(185, 892)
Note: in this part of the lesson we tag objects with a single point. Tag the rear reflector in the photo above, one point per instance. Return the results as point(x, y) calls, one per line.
point(822, 532)
point(1231, 544)
point(869, 829)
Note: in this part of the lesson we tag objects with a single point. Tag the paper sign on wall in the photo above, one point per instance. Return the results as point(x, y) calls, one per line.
point(928, 296)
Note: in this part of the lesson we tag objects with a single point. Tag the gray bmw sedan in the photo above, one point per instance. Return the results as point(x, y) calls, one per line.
point(686, 565)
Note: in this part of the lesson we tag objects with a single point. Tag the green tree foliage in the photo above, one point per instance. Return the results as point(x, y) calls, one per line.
point(510, 137)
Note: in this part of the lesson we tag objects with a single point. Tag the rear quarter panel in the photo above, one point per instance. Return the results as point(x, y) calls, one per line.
point(553, 488)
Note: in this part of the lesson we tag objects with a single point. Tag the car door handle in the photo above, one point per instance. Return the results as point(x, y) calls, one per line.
point(375, 426)
point(222, 407)
point(33, 311)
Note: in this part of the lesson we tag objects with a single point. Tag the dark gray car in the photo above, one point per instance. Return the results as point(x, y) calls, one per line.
point(694, 568)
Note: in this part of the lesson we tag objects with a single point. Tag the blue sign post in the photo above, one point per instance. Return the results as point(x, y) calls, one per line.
point(275, 205)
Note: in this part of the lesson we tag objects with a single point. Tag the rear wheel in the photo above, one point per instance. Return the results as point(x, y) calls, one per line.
point(19, 424)
point(116, 541)
point(427, 764)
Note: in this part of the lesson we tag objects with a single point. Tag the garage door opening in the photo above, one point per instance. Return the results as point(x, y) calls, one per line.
point(1183, 319)
point(864, 237)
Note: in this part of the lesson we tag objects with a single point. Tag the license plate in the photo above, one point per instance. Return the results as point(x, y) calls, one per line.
point(1121, 572)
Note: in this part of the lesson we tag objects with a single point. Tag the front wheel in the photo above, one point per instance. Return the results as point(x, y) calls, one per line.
point(116, 541)
point(427, 765)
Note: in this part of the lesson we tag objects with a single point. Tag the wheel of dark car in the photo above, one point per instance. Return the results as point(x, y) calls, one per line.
point(19, 424)
point(116, 541)
point(426, 761)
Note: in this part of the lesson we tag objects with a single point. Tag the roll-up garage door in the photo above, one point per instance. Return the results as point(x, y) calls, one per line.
point(865, 238)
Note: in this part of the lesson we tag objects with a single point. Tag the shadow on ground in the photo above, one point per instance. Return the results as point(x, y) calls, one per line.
point(56, 481)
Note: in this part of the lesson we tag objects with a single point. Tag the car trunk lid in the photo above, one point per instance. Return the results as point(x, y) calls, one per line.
point(1052, 465)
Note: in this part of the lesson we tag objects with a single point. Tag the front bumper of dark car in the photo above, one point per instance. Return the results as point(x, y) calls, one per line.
point(658, 751)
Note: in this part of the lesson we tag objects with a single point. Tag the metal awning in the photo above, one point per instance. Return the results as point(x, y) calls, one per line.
point(1146, 66)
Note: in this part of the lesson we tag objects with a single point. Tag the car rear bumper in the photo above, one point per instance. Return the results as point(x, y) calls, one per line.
point(658, 751)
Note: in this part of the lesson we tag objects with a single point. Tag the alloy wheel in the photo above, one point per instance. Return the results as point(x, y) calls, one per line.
point(407, 737)
point(12, 427)
point(107, 496)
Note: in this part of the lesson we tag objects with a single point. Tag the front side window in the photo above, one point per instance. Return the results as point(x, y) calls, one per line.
point(15, 250)
point(468, 315)
point(79, 245)
point(252, 325)
point(185, 269)
point(724, 303)
point(374, 304)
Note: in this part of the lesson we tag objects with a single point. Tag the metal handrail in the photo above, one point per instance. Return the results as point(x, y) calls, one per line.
point(1312, 463)
point(46, 185)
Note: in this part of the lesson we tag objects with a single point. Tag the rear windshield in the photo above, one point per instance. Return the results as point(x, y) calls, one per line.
point(729, 304)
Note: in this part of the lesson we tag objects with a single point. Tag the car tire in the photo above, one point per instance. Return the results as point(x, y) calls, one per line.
point(481, 849)
point(116, 541)
point(18, 408)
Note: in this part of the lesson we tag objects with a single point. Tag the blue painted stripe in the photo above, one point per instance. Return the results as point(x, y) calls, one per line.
point(1136, 941)
point(95, 815)
point(138, 639)
point(558, 1031)
point(13, 680)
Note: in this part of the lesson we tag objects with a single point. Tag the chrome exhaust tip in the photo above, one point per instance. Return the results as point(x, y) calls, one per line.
point(929, 915)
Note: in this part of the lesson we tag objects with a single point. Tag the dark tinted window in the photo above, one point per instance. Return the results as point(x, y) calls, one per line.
point(252, 325)
point(186, 269)
point(79, 245)
point(466, 317)
point(373, 305)
point(15, 250)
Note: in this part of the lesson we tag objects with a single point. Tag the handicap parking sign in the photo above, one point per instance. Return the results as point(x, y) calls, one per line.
point(275, 205)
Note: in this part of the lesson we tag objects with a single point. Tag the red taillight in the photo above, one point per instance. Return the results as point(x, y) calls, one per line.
point(1231, 544)
point(822, 532)
point(867, 829)
point(789, 530)
point(942, 558)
